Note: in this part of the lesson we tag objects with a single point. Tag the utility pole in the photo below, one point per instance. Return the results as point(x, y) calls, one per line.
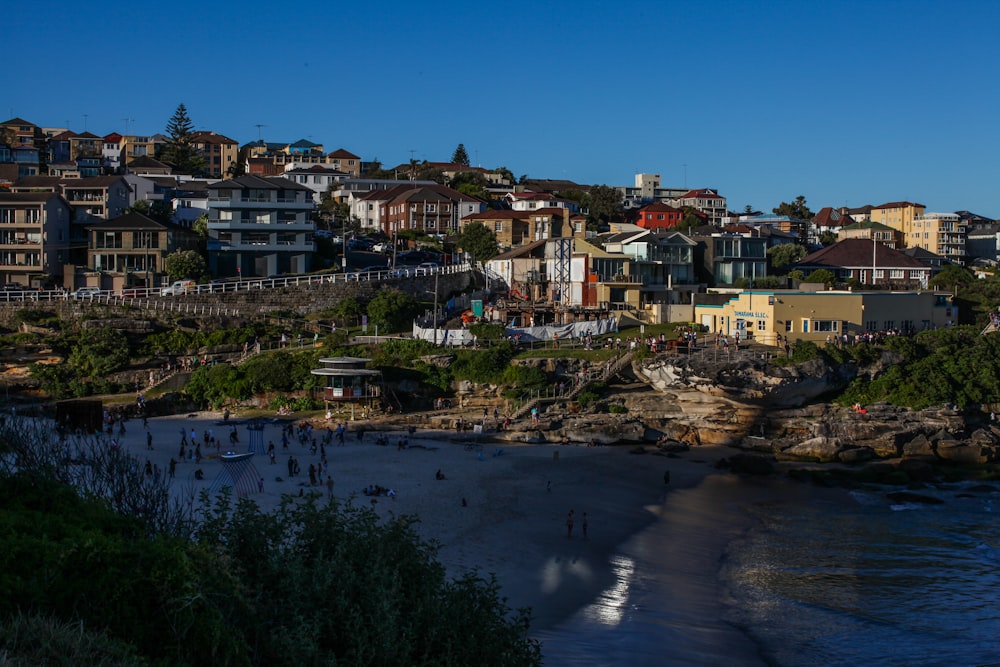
point(437, 273)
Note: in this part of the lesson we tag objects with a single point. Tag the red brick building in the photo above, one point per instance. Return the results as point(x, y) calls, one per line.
point(659, 216)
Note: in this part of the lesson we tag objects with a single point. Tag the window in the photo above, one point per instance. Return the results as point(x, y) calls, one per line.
point(896, 274)
point(916, 274)
point(826, 325)
point(430, 208)
point(6, 215)
point(789, 327)
point(890, 324)
point(879, 273)
point(497, 227)
point(761, 325)
point(871, 325)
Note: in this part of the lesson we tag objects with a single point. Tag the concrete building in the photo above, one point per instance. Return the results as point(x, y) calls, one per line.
point(259, 227)
point(815, 316)
point(941, 233)
point(34, 237)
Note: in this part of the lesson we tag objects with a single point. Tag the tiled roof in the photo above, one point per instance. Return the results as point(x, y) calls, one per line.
point(831, 217)
point(88, 135)
point(261, 183)
point(702, 192)
point(17, 121)
point(207, 137)
point(857, 253)
point(112, 138)
point(341, 153)
point(146, 162)
point(131, 220)
point(67, 134)
point(26, 197)
point(868, 224)
point(520, 251)
point(303, 143)
point(659, 207)
point(899, 204)
point(502, 214)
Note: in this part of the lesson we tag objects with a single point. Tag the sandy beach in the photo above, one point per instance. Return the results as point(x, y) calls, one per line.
point(513, 521)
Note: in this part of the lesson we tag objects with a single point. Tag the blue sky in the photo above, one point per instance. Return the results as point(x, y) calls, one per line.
point(846, 103)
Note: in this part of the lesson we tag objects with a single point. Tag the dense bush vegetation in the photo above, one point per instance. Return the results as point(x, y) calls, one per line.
point(313, 583)
point(957, 365)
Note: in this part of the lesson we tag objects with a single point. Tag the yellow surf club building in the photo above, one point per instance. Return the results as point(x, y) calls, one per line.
point(763, 315)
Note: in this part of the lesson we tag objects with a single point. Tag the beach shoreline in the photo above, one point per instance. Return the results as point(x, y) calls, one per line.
point(501, 508)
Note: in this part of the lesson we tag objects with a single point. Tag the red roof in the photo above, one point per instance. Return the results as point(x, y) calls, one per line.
point(899, 204)
point(659, 207)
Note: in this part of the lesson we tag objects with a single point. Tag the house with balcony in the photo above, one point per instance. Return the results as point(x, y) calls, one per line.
point(943, 234)
point(513, 228)
point(319, 178)
point(432, 209)
point(259, 227)
point(647, 190)
point(737, 252)
point(34, 236)
point(898, 215)
point(220, 152)
point(657, 216)
point(130, 249)
point(102, 197)
point(884, 234)
point(111, 153)
point(533, 201)
point(706, 200)
point(869, 263)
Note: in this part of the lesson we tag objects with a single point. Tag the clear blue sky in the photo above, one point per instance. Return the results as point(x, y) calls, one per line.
point(846, 103)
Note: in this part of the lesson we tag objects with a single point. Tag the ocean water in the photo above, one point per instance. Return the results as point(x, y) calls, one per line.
point(771, 572)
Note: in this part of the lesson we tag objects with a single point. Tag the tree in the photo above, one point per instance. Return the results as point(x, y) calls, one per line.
point(185, 264)
point(605, 204)
point(200, 225)
point(460, 156)
point(824, 276)
point(236, 169)
point(99, 352)
point(749, 210)
point(392, 310)
point(507, 174)
point(479, 242)
point(828, 237)
point(160, 211)
point(797, 209)
point(374, 169)
point(179, 151)
point(785, 254)
point(952, 276)
point(471, 183)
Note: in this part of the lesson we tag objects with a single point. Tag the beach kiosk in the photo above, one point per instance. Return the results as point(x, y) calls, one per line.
point(348, 381)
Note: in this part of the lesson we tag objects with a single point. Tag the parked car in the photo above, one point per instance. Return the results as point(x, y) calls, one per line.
point(425, 268)
point(133, 292)
point(12, 291)
point(86, 292)
point(178, 287)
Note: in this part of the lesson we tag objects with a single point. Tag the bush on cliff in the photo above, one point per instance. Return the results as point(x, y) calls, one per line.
point(956, 365)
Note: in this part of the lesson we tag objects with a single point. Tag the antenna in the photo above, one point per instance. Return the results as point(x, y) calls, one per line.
point(258, 126)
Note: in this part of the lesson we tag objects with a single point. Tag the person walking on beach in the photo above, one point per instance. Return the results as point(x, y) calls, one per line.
point(569, 525)
point(583, 525)
point(149, 440)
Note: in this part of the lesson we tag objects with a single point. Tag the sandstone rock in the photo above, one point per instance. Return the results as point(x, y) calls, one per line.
point(815, 449)
point(960, 452)
point(856, 455)
point(920, 446)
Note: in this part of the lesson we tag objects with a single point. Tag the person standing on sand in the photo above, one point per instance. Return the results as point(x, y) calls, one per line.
point(569, 525)
point(583, 525)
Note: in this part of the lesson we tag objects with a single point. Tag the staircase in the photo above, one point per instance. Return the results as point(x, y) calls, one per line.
point(608, 371)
